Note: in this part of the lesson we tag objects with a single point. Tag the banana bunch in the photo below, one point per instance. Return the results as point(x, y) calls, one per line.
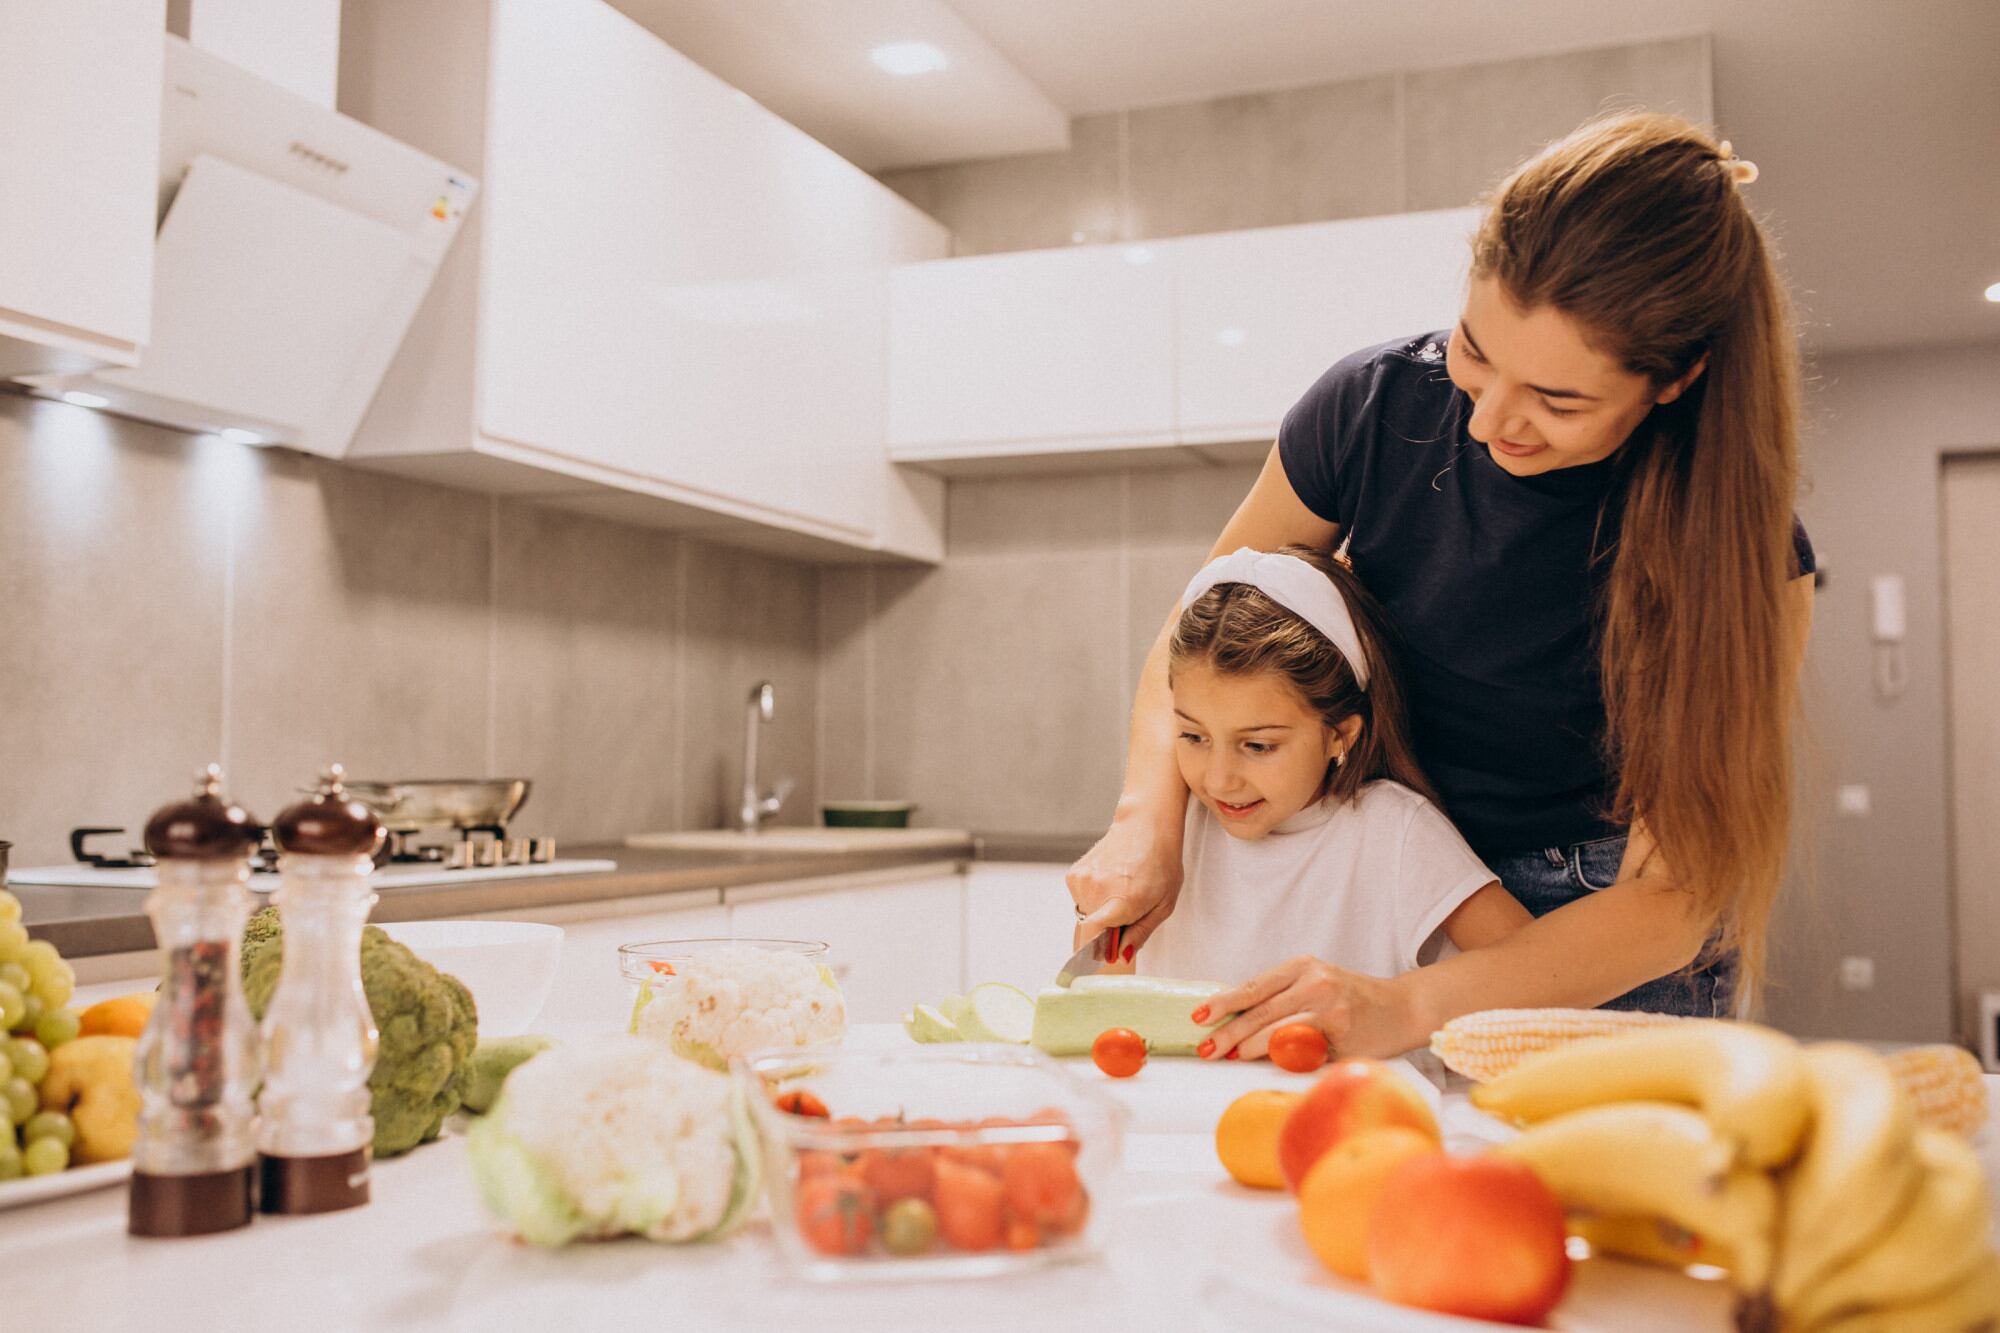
point(1801, 1171)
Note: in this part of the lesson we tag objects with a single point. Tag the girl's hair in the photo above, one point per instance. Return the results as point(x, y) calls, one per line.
point(1634, 227)
point(1238, 631)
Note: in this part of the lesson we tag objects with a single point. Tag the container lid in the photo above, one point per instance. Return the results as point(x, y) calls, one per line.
point(206, 827)
point(329, 822)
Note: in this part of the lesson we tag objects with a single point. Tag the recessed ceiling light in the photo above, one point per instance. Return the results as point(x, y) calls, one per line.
point(910, 58)
point(1993, 293)
point(77, 398)
point(237, 435)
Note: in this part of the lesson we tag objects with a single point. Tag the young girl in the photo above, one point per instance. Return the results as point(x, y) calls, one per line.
point(1310, 828)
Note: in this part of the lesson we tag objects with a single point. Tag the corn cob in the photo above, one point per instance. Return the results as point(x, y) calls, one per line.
point(1486, 1045)
point(1944, 1082)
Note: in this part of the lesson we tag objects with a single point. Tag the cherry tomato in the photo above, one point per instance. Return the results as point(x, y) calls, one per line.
point(1119, 1052)
point(1021, 1234)
point(969, 1210)
point(899, 1173)
point(835, 1215)
point(800, 1102)
point(1299, 1047)
point(662, 966)
point(1041, 1184)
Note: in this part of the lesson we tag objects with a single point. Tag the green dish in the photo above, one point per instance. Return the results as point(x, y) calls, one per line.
point(866, 814)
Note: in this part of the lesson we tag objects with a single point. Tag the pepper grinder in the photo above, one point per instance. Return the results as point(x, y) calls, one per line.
point(319, 1037)
point(194, 1160)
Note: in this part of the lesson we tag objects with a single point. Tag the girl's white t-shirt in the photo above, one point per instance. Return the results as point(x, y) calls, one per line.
point(1363, 884)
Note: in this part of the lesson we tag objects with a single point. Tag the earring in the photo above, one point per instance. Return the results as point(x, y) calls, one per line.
point(1339, 758)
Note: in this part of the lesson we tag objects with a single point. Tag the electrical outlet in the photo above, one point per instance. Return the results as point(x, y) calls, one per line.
point(1853, 800)
point(1857, 973)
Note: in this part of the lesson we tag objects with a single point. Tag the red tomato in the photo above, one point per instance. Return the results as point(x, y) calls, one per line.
point(800, 1102)
point(1119, 1052)
point(1040, 1183)
point(968, 1206)
point(835, 1215)
point(899, 1173)
point(1299, 1047)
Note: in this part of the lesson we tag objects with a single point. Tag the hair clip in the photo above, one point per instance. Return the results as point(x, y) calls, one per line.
point(1739, 171)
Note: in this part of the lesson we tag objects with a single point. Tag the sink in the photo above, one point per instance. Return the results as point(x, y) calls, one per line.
point(809, 840)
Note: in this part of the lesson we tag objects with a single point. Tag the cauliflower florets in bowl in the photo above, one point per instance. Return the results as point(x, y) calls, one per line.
point(711, 1000)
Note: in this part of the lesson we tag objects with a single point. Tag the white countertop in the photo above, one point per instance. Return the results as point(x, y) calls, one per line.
point(1185, 1248)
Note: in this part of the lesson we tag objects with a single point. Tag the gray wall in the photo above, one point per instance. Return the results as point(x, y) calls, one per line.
point(1878, 887)
point(169, 600)
point(1395, 143)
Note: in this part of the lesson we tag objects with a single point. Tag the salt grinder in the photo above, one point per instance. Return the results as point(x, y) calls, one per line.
point(319, 1038)
point(194, 1160)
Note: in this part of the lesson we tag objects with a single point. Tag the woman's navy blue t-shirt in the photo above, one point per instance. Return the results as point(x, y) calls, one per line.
point(1490, 581)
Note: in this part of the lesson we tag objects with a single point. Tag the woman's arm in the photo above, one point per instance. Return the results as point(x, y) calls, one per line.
point(1132, 877)
point(1578, 956)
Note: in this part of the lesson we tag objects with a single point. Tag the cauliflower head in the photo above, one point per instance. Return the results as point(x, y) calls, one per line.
point(427, 1021)
point(616, 1135)
point(737, 998)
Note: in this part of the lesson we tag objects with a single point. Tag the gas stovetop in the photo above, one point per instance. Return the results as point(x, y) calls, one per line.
point(408, 860)
point(391, 876)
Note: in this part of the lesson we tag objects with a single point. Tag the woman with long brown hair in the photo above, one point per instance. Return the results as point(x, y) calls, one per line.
point(1576, 507)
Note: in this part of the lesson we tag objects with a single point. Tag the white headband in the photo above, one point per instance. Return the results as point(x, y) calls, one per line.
point(1294, 585)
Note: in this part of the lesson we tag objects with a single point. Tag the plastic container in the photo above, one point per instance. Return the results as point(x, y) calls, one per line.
point(962, 1107)
point(643, 962)
point(650, 968)
point(866, 814)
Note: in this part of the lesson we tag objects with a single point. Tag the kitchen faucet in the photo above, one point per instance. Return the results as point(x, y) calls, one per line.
point(758, 806)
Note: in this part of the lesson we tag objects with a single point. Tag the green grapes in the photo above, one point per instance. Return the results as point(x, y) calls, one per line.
point(57, 1026)
point(15, 975)
point(10, 1159)
point(56, 988)
point(33, 1007)
point(45, 1157)
point(19, 1095)
point(10, 907)
point(13, 1005)
point(30, 1058)
point(13, 941)
point(50, 1125)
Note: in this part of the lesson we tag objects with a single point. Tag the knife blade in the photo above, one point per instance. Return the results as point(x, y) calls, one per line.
point(1095, 953)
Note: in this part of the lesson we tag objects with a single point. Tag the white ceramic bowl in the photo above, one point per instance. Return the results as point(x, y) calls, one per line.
point(507, 965)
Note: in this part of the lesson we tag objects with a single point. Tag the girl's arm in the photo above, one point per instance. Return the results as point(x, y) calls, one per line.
point(1132, 876)
point(1486, 918)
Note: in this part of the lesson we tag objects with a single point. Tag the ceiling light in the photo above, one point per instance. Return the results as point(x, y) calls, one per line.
point(77, 398)
point(1993, 293)
point(909, 58)
point(237, 435)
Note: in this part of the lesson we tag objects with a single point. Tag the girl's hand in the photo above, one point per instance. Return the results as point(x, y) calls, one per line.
point(1131, 878)
point(1360, 1015)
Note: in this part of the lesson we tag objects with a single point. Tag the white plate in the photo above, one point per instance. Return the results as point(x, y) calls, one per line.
point(76, 1180)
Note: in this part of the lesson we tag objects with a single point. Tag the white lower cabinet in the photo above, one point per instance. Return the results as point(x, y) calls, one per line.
point(891, 943)
point(1019, 920)
point(588, 988)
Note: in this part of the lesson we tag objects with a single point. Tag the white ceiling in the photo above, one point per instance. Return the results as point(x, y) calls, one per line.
point(1876, 122)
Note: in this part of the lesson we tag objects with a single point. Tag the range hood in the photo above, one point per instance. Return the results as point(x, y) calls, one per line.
point(295, 245)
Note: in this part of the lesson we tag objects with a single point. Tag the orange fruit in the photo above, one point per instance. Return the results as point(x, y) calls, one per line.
point(1246, 1138)
point(1340, 1190)
point(124, 1016)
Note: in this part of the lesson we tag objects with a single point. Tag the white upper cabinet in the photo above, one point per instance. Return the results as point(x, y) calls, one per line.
point(80, 90)
point(1263, 313)
point(679, 312)
point(1205, 340)
point(1043, 352)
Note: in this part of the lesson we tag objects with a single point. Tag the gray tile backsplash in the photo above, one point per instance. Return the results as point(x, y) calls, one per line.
point(1386, 144)
point(171, 600)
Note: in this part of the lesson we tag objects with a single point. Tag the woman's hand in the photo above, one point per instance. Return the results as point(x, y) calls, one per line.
point(1130, 879)
point(1360, 1015)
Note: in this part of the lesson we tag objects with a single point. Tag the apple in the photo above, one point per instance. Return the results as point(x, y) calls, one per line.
point(1481, 1237)
point(1353, 1095)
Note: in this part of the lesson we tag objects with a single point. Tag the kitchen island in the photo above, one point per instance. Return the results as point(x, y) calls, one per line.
point(1182, 1248)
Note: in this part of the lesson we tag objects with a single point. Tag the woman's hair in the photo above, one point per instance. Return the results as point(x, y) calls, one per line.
point(1238, 631)
point(1634, 227)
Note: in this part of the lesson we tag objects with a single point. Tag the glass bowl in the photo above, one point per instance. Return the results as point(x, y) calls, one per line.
point(719, 1015)
point(640, 963)
point(1010, 1156)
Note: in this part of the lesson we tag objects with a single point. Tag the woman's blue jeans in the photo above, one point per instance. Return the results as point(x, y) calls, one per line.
point(1547, 879)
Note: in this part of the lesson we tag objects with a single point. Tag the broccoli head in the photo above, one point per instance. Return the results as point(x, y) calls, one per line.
point(427, 1021)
